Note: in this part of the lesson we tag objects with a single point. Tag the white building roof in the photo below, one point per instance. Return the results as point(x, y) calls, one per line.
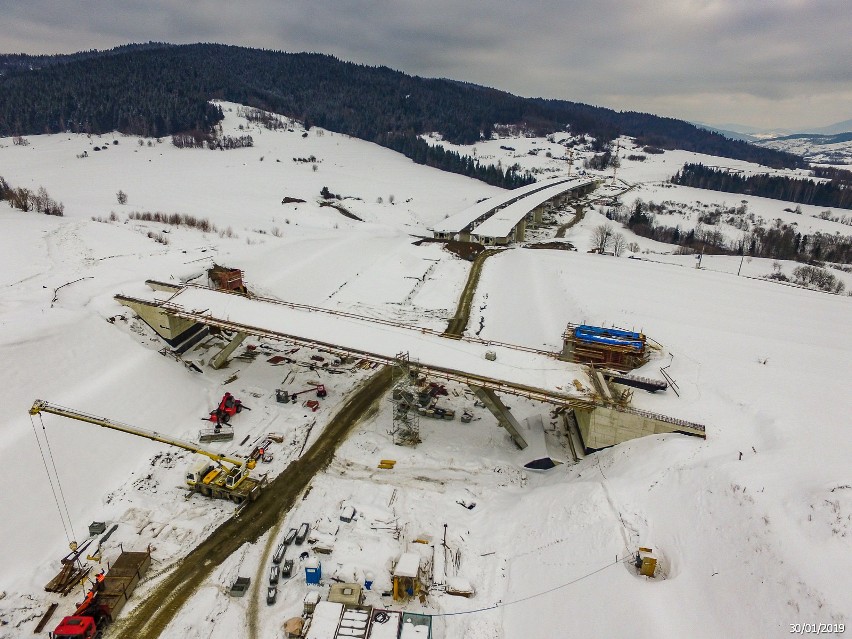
point(461, 220)
point(408, 565)
point(503, 222)
point(325, 621)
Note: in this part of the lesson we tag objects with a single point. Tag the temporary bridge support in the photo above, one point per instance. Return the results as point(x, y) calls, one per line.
point(222, 358)
point(499, 410)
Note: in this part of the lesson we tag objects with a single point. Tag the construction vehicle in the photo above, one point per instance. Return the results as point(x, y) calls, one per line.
point(283, 396)
point(227, 408)
point(215, 475)
point(105, 600)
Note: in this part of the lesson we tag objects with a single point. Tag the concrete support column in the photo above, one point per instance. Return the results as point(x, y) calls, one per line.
point(520, 230)
point(222, 358)
point(499, 410)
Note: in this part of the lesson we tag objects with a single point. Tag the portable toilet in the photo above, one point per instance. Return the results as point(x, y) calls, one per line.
point(313, 571)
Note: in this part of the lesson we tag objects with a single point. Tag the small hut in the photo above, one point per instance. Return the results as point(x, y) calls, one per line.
point(348, 594)
point(406, 576)
point(225, 278)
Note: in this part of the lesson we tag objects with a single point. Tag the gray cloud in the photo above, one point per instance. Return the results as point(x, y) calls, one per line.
point(766, 63)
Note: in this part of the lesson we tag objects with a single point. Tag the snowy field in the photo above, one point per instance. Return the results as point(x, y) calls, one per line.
point(752, 527)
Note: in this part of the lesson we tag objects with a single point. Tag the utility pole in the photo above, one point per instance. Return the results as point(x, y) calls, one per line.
point(615, 160)
point(445, 551)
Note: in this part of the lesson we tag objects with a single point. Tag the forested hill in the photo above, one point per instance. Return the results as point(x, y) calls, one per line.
point(157, 90)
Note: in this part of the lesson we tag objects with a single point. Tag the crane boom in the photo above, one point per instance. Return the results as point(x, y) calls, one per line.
point(41, 406)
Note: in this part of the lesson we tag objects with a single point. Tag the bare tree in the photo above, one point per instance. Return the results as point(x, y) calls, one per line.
point(602, 236)
point(619, 243)
point(121, 196)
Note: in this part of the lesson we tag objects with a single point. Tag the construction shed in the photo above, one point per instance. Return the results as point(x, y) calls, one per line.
point(325, 620)
point(225, 278)
point(610, 347)
point(349, 594)
point(406, 576)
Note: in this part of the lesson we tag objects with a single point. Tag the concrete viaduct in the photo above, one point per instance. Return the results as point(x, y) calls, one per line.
point(179, 312)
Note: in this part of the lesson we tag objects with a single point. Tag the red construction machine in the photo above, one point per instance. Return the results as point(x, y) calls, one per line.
point(105, 600)
point(227, 408)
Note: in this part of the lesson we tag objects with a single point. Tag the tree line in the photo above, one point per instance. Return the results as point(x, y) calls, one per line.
point(780, 241)
point(157, 90)
point(833, 193)
point(25, 199)
point(421, 152)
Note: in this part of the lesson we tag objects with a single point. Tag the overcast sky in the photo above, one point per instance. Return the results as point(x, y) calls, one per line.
point(763, 63)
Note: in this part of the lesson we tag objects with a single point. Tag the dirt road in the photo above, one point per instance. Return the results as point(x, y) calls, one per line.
point(150, 618)
point(456, 326)
point(579, 213)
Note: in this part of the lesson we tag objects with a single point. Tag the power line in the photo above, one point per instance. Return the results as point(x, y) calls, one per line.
point(527, 598)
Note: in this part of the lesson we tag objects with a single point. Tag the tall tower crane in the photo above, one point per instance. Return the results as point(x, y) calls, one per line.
point(218, 476)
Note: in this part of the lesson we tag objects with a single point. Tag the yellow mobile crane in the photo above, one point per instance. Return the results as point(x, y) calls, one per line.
point(225, 478)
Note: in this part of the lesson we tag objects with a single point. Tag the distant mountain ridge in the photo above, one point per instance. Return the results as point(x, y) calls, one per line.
point(158, 89)
point(754, 134)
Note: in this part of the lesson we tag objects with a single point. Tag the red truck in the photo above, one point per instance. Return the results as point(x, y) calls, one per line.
point(106, 598)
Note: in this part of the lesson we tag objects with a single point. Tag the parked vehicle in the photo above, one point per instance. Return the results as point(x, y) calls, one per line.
point(280, 549)
point(303, 533)
point(287, 569)
point(274, 573)
point(271, 595)
point(290, 536)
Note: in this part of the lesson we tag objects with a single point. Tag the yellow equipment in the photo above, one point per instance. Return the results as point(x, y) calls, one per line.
point(227, 479)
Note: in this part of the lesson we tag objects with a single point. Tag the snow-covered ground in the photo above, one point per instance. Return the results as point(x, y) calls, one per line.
point(752, 527)
point(815, 149)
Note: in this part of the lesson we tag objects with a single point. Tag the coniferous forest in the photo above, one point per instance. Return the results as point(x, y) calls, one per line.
point(157, 90)
point(836, 192)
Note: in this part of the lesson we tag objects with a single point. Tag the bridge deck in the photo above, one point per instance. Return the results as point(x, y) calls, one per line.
point(515, 370)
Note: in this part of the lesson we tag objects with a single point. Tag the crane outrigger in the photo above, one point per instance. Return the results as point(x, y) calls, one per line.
point(219, 476)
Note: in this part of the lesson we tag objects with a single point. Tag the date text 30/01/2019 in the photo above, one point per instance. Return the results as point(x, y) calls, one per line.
point(817, 628)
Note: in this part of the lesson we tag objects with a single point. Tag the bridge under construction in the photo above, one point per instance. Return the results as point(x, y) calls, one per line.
point(180, 313)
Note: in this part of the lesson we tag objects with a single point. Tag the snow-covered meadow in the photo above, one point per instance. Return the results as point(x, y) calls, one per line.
point(752, 526)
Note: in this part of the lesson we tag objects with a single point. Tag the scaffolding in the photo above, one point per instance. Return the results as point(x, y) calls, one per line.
point(405, 429)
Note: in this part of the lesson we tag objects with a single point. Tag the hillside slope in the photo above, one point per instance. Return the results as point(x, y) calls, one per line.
point(164, 89)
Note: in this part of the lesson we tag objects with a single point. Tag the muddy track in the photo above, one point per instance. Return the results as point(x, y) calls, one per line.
point(579, 214)
point(457, 325)
point(156, 611)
